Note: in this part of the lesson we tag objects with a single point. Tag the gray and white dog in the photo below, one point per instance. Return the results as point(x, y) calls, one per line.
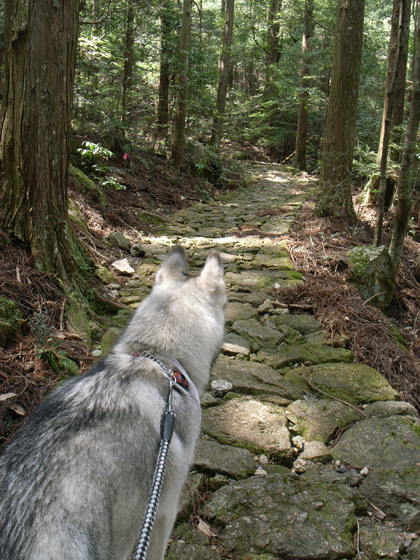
point(75, 481)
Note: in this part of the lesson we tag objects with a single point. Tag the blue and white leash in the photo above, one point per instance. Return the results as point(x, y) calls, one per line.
point(168, 421)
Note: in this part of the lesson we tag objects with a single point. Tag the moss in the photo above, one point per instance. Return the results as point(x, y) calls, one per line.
point(295, 275)
point(398, 338)
point(86, 182)
point(78, 315)
point(151, 218)
point(360, 261)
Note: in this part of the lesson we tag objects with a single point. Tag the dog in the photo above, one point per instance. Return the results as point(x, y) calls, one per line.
point(75, 481)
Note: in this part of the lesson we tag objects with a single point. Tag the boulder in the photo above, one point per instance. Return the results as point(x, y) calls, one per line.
point(214, 458)
point(372, 274)
point(286, 517)
point(380, 443)
point(353, 383)
point(310, 353)
point(236, 311)
point(395, 489)
point(253, 378)
point(118, 239)
point(250, 423)
point(319, 419)
point(258, 335)
point(123, 266)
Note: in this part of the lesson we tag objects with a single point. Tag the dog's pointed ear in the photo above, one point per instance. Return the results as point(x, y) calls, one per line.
point(174, 266)
point(211, 276)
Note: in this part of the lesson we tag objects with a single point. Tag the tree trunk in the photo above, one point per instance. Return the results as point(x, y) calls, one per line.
point(397, 62)
point(164, 71)
point(224, 70)
point(128, 61)
point(405, 178)
point(273, 52)
point(178, 141)
point(334, 196)
point(302, 124)
point(398, 53)
point(41, 38)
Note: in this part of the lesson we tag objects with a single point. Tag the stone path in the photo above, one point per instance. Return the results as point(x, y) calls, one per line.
point(304, 454)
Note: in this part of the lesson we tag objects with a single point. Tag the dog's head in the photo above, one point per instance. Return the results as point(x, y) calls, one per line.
point(183, 317)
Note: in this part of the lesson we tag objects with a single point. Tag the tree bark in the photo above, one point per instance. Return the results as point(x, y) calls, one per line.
point(334, 196)
point(397, 61)
point(224, 70)
point(128, 61)
point(178, 141)
point(398, 53)
point(273, 51)
point(41, 38)
point(302, 124)
point(405, 178)
point(164, 71)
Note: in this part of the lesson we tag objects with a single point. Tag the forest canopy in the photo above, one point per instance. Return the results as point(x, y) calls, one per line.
point(328, 88)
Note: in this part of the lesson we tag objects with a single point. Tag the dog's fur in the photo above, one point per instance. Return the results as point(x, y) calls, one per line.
point(75, 481)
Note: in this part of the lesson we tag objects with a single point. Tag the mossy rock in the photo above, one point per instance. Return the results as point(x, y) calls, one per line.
point(78, 318)
point(373, 275)
point(319, 419)
point(91, 185)
point(381, 443)
point(151, 218)
point(285, 517)
point(353, 383)
point(109, 339)
point(105, 275)
point(310, 353)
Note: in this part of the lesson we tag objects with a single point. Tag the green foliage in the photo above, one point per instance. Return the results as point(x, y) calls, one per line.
point(94, 158)
point(57, 359)
point(250, 115)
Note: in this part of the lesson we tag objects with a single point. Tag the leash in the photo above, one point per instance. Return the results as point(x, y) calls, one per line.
point(167, 429)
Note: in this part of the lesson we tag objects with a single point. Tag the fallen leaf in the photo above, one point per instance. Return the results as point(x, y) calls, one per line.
point(205, 528)
point(7, 396)
point(17, 408)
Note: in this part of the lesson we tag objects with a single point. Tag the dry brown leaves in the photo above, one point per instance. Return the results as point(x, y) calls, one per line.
point(319, 249)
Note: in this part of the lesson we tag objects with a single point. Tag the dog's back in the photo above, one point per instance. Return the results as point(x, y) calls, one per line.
point(75, 480)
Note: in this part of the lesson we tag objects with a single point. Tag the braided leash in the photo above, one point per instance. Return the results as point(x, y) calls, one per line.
point(168, 421)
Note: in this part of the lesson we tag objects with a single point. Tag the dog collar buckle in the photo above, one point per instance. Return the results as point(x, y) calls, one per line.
point(179, 376)
point(181, 380)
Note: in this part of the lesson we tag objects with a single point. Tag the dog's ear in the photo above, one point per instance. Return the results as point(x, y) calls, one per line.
point(212, 274)
point(174, 267)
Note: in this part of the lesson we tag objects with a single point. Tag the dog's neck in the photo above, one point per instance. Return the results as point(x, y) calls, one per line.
point(162, 361)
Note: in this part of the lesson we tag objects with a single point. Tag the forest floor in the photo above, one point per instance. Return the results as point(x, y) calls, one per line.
point(31, 362)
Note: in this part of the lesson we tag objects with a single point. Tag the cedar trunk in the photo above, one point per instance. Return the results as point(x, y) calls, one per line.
point(302, 125)
point(398, 54)
point(405, 178)
point(273, 51)
point(178, 141)
point(164, 71)
point(334, 197)
point(224, 70)
point(397, 61)
point(40, 42)
point(128, 62)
